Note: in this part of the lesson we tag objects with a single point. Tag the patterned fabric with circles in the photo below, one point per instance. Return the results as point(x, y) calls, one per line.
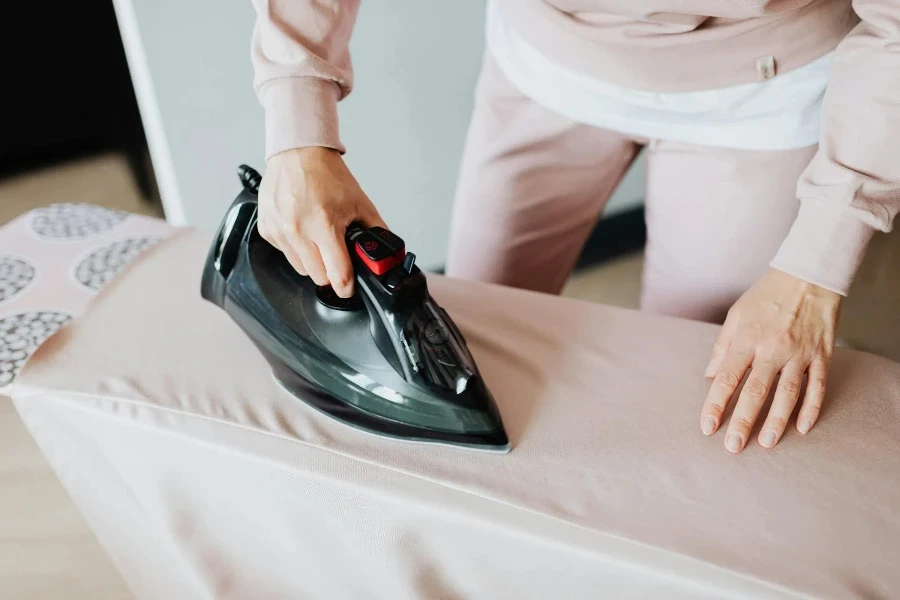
point(73, 221)
point(20, 336)
point(15, 276)
point(53, 260)
point(101, 265)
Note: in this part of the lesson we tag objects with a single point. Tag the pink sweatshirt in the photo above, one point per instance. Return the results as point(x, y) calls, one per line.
point(851, 188)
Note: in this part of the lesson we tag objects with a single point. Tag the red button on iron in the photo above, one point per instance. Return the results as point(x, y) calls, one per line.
point(378, 254)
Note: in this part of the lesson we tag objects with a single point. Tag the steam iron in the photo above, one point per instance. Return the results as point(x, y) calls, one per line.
point(388, 361)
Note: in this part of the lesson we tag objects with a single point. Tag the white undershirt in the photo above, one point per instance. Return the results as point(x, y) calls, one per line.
point(778, 113)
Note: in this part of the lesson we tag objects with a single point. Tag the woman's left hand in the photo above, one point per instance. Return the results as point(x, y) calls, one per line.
point(781, 325)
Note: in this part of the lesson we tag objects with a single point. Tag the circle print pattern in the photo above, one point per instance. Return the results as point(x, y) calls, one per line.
point(73, 221)
point(100, 266)
point(15, 275)
point(21, 334)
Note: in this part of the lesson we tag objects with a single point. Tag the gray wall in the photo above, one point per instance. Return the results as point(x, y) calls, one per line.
point(416, 64)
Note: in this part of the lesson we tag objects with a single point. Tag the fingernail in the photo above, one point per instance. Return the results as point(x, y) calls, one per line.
point(708, 425)
point(734, 442)
point(709, 370)
point(768, 439)
point(805, 426)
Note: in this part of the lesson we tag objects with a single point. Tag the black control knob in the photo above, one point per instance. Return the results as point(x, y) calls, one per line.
point(435, 333)
point(326, 296)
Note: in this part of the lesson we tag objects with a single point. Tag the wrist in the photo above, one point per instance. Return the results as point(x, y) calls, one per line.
point(307, 155)
point(300, 111)
point(317, 153)
point(825, 246)
point(810, 291)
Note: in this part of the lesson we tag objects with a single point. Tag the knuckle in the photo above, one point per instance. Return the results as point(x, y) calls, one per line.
point(785, 338)
point(342, 279)
point(741, 423)
point(777, 423)
point(790, 388)
point(290, 227)
point(320, 215)
point(326, 220)
point(727, 379)
point(769, 352)
point(756, 389)
point(271, 237)
point(715, 408)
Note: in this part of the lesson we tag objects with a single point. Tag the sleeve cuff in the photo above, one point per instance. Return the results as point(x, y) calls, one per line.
point(301, 112)
point(824, 247)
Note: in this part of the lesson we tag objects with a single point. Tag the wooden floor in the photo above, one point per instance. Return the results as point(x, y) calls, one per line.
point(47, 551)
point(46, 548)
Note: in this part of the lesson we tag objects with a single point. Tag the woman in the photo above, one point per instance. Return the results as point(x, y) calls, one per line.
point(763, 190)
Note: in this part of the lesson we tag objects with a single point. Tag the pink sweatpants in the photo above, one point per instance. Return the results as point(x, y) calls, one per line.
point(533, 184)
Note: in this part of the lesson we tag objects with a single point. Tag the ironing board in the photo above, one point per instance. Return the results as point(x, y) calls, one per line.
point(53, 261)
point(204, 479)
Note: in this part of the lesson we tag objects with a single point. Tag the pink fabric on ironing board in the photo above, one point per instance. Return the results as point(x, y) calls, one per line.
point(53, 260)
point(205, 479)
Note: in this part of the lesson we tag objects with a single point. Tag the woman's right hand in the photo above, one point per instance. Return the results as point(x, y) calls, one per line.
point(307, 199)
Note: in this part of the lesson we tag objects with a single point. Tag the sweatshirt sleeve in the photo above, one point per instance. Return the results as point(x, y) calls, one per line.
point(302, 69)
point(852, 186)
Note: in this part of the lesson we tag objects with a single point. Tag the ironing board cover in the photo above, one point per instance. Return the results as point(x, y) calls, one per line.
point(53, 260)
point(204, 479)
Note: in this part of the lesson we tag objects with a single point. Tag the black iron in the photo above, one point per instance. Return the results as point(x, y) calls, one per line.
point(388, 361)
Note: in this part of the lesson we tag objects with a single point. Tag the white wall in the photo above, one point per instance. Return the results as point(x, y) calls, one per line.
point(190, 64)
point(416, 64)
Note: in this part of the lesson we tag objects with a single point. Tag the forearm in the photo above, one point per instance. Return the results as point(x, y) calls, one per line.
point(302, 69)
point(851, 189)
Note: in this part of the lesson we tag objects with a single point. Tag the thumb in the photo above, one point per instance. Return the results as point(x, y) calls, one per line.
point(723, 343)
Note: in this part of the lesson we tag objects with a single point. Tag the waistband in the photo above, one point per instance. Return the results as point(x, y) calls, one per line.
point(722, 53)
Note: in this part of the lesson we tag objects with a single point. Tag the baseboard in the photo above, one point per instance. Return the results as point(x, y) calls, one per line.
point(614, 236)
